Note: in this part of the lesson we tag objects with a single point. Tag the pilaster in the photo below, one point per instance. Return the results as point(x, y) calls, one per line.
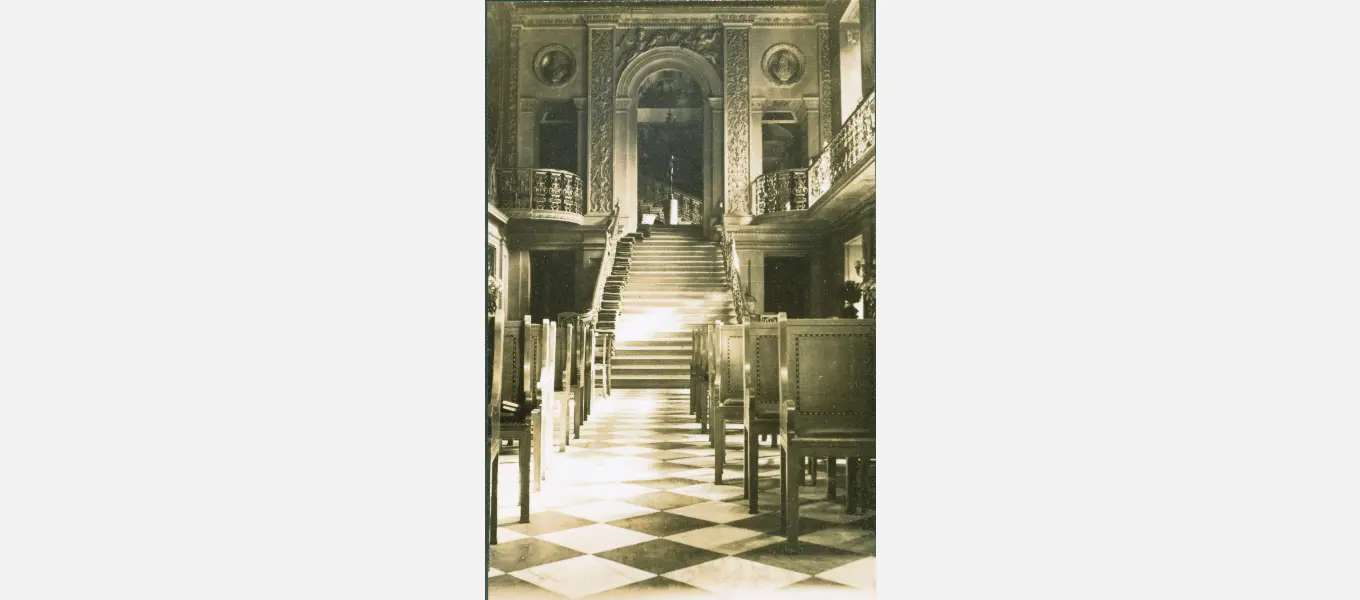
point(527, 135)
point(600, 164)
point(737, 107)
point(826, 50)
point(509, 137)
point(813, 120)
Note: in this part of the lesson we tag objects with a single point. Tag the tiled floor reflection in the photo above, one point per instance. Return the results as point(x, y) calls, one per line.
point(631, 511)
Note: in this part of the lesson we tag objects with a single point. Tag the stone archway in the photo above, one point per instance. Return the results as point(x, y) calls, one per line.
point(630, 83)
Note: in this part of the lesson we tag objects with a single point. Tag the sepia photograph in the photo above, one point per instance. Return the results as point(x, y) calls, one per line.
point(680, 299)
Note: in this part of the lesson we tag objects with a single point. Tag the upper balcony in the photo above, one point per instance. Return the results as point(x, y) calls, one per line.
point(837, 181)
point(546, 194)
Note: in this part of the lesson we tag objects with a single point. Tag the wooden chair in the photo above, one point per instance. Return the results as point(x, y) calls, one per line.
point(760, 397)
point(698, 371)
point(726, 398)
point(494, 365)
point(516, 405)
point(827, 396)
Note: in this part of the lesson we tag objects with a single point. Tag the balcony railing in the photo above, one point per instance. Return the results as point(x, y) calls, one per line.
point(845, 152)
point(800, 189)
point(540, 194)
point(782, 191)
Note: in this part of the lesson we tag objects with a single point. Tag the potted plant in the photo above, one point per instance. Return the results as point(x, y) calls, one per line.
point(850, 294)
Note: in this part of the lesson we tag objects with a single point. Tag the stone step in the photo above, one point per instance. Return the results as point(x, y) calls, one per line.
point(633, 382)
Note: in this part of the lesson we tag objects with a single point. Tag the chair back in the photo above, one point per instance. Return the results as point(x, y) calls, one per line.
point(826, 375)
point(728, 348)
point(760, 368)
point(495, 365)
point(515, 368)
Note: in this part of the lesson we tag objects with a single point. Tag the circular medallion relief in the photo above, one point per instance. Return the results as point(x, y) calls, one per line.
point(783, 64)
point(554, 65)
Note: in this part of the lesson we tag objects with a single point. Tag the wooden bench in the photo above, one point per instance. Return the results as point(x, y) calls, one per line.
point(827, 396)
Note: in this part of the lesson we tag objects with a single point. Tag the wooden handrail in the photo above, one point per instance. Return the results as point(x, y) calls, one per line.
point(734, 283)
point(613, 232)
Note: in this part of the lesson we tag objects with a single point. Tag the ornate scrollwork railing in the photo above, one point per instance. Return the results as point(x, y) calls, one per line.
point(526, 189)
point(734, 283)
point(782, 191)
point(654, 196)
point(855, 141)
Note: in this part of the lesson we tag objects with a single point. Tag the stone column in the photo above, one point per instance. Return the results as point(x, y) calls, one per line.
point(737, 109)
point(827, 51)
point(600, 164)
point(813, 125)
point(528, 132)
point(625, 162)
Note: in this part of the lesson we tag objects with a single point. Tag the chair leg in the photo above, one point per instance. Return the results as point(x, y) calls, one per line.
point(851, 484)
point(783, 490)
point(812, 464)
point(537, 455)
point(752, 470)
point(831, 478)
point(524, 477)
point(494, 524)
point(863, 495)
point(719, 443)
point(791, 499)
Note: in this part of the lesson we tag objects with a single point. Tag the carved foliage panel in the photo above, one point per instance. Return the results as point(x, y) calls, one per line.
point(601, 119)
point(509, 133)
point(737, 108)
point(829, 112)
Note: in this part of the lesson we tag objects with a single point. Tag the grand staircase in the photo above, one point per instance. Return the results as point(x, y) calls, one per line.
point(670, 280)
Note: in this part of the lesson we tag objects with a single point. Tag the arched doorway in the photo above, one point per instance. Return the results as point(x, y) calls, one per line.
point(657, 80)
point(670, 149)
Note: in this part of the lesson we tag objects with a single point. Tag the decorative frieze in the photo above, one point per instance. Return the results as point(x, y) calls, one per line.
point(737, 106)
point(601, 120)
point(702, 41)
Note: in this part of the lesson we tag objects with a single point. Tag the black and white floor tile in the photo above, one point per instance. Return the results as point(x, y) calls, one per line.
point(631, 510)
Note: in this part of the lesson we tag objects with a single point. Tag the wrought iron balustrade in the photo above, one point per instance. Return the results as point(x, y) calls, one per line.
point(654, 198)
point(528, 189)
point(845, 151)
point(782, 191)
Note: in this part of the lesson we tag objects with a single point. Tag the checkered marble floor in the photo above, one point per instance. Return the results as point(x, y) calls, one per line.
point(631, 511)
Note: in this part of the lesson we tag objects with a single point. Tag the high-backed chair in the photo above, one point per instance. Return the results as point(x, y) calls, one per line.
point(698, 373)
point(495, 363)
point(517, 404)
point(827, 396)
point(760, 397)
point(545, 366)
point(726, 400)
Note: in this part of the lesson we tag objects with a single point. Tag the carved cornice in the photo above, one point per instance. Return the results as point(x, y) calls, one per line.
point(600, 20)
point(737, 20)
point(812, 102)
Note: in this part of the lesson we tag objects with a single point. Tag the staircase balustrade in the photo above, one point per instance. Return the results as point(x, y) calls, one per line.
point(654, 196)
point(733, 269)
